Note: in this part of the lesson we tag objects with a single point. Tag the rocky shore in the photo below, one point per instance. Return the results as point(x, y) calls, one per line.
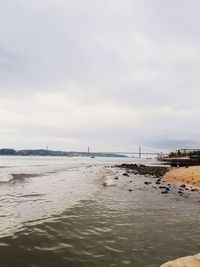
point(179, 181)
point(156, 171)
point(165, 177)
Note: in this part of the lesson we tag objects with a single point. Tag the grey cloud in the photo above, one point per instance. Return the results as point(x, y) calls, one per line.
point(142, 55)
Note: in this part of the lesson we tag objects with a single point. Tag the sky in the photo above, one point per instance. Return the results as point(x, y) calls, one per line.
point(111, 74)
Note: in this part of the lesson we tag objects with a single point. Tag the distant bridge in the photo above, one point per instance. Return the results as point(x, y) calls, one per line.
point(139, 153)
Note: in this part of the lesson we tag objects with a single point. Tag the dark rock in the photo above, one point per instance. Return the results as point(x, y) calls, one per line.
point(125, 174)
point(162, 187)
point(156, 171)
point(130, 190)
point(194, 190)
point(164, 192)
point(183, 186)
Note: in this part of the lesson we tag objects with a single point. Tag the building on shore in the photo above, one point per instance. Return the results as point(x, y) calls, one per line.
point(187, 151)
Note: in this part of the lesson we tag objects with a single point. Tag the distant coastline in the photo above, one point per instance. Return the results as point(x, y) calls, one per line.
point(45, 152)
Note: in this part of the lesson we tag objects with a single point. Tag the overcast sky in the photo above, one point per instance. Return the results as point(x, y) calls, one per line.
point(112, 74)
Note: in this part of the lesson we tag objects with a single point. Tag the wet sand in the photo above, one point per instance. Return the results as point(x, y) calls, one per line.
point(190, 175)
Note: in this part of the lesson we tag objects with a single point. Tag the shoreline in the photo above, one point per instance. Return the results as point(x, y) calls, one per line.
point(183, 180)
point(140, 169)
point(190, 176)
point(183, 177)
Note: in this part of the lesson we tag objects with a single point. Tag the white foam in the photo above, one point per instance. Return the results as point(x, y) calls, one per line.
point(108, 181)
point(5, 177)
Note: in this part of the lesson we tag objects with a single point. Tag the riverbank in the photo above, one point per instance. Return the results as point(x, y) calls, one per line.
point(181, 183)
point(184, 178)
point(156, 171)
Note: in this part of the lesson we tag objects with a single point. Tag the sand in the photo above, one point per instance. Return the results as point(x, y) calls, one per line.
point(190, 175)
point(190, 261)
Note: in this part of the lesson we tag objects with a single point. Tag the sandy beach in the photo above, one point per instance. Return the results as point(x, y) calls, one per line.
point(190, 175)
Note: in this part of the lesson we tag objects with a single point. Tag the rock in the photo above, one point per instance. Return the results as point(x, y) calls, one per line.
point(183, 185)
point(147, 183)
point(162, 187)
point(156, 171)
point(116, 178)
point(194, 190)
point(164, 192)
point(180, 192)
point(130, 190)
point(190, 261)
point(125, 174)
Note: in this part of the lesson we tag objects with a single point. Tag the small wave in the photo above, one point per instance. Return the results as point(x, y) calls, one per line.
point(23, 175)
point(108, 181)
point(5, 177)
point(32, 195)
point(9, 177)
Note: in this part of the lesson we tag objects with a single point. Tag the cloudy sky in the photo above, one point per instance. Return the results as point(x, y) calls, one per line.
point(112, 74)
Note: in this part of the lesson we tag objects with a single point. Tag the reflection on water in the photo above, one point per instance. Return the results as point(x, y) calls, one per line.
point(68, 219)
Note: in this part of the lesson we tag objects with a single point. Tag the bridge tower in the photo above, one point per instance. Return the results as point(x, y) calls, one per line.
point(140, 152)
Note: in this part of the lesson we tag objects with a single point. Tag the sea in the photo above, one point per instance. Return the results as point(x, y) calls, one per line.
point(57, 212)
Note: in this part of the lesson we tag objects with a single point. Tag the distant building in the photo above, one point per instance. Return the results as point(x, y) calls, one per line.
point(187, 150)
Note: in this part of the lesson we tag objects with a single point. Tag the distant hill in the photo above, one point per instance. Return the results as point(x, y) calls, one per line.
point(44, 152)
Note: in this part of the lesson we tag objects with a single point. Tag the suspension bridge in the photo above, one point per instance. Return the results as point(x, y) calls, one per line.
point(139, 153)
point(142, 152)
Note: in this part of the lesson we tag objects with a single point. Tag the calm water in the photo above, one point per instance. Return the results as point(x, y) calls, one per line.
point(55, 212)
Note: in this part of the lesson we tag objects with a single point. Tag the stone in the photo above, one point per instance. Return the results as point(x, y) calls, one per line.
point(190, 261)
point(162, 187)
point(164, 192)
point(147, 183)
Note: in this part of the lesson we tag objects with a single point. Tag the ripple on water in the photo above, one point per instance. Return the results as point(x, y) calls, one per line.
point(110, 228)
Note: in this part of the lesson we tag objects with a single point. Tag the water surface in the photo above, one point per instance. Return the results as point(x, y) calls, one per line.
point(55, 212)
